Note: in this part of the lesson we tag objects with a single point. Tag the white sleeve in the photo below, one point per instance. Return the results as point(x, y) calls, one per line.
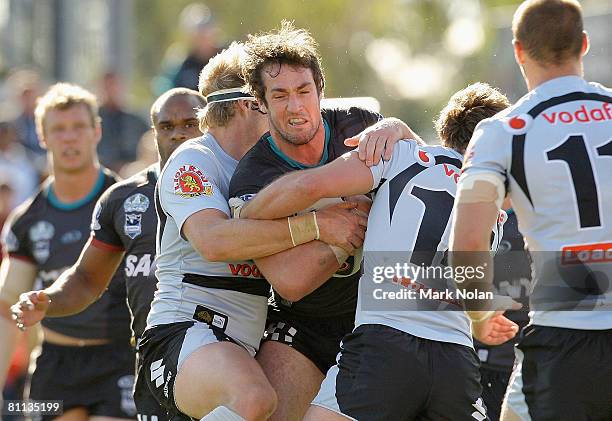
point(488, 151)
point(387, 169)
point(189, 184)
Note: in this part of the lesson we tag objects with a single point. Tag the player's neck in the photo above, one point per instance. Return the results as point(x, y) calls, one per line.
point(309, 153)
point(535, 75)
point(232, 139)
point(71, 187)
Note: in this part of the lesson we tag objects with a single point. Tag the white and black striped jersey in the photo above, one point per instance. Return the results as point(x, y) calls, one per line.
point(230, 296)
point(410, 223)
point(553, 152)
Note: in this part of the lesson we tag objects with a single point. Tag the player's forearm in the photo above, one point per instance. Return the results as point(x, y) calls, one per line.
point(297, 272)
point(72, 293)
point(241, 239)
point(9, 334)
point(293, 193)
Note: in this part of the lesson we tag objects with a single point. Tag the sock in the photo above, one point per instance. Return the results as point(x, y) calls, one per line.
point(222, 413)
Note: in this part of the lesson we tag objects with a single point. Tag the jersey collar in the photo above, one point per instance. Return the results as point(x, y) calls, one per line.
point(56, 203)
point(564, 83)
point(293, 162)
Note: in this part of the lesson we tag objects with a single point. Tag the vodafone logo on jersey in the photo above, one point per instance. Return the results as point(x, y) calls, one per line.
point(424, 158)
point(518, 124)
point(581, 115)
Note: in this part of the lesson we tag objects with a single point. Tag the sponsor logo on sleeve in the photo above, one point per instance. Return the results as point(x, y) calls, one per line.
point(189, 182)
point(518, 124)
point(136, 203)
point(424, 158)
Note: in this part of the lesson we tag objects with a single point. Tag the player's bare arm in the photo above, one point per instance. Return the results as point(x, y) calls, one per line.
point(16, 277)
point(218, 238)
point(76, 289)
point(378, 140)
point(297, 272)
point(300, 190)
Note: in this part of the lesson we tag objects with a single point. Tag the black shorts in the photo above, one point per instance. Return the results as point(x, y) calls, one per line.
point(562, 374)
point(163, 349)
point(99, 378)
point(386, 374)
point(147, 407)
point(494, 384)
point(317, 339)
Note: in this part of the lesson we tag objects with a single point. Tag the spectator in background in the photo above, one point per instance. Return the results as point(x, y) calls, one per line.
point(121, 130)
point(17, 173)
point(197, 22)
point(26, 86)
point(146, 155)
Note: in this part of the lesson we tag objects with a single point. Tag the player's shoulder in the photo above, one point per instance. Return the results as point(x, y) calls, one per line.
point(197, 148)
point(426, 155)
point(110, 177)
point(338, 113)
point(31, 208)
point(141, 185)
point(197, 152)
point(261, 154)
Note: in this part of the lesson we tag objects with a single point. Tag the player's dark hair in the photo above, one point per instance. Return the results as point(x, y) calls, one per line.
point(550, 31)
point(269, 51)
point(464, 111)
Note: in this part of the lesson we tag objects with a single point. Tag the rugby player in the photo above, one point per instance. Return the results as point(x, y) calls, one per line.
point(551, 154)
point(512, 271)
point(208, 315)
point(390, 352)
point(311, 312)
point(124, 226)
point(86, 360)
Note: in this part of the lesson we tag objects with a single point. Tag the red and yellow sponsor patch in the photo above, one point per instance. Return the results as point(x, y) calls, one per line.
point(189, 181)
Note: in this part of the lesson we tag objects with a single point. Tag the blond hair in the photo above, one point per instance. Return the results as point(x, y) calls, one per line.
point(223, 71)
point(62, 96)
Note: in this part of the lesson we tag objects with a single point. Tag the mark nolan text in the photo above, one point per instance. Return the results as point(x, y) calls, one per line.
point(431, 294)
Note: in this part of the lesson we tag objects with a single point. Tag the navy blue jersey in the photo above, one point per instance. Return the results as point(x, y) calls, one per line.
point(125, 220)
point(264, 163)
point(51, 235)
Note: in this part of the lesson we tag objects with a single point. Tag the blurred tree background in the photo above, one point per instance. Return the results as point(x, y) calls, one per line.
point(409, 54)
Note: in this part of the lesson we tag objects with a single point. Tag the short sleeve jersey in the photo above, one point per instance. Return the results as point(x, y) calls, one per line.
point(410, 223)
point(51, 235)
point(553, 151)
point(265, 162)
point(125, 220)
point(196, 178)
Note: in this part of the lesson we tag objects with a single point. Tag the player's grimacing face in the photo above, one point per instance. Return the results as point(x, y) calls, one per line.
point(292, 102)
point(175, 123)
point(71, 137)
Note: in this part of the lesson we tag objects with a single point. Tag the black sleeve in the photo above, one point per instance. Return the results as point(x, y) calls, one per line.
point(103, 221)
point(369, 117)
point(249, 178)
point(15, 238)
